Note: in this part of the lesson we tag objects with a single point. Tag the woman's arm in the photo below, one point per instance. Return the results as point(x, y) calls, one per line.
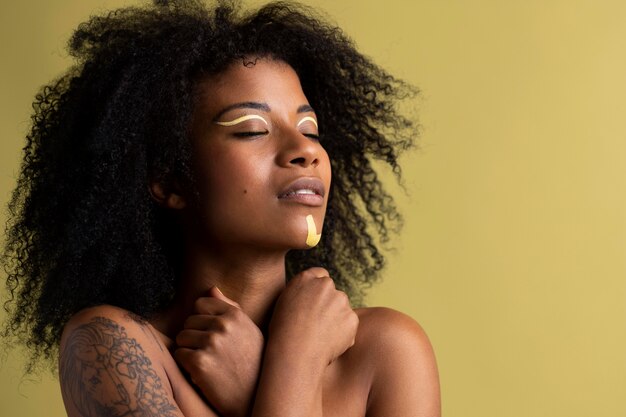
point(221, 349)
point(312, 325)
point(109, 366)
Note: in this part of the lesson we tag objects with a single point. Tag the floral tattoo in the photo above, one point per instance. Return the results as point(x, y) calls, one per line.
point(106, 373)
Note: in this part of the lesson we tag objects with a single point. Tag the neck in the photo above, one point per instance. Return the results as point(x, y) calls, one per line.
point(251, 278)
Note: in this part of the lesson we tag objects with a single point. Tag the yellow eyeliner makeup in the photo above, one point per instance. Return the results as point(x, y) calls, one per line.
point(307, 118)
point(242, 119)
point(312, 238)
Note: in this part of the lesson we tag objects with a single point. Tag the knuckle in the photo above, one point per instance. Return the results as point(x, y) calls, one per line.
point(222, 325)
point(327, 283)
point(196, 363)
point(208, 339)
point(199, 305)
point(319, 272)
point(236, 313)
point(191, 361)
point(202, 362)
point(314, 272)
point(232, 311)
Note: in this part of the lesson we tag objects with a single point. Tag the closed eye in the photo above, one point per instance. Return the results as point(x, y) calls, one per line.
point(312, 136)
point(250, 134)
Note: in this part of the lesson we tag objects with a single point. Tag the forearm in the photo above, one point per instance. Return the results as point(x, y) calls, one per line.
point(290, 384)
point(312, 325)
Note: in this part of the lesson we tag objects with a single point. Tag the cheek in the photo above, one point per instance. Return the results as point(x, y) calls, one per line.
point(215, 170)
point(230, 181)
point(236, 181)
point(325, 168)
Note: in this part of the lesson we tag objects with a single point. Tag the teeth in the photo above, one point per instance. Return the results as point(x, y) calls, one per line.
point(304, 192)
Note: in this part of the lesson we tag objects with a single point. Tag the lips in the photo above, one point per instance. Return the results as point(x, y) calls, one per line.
point(308, 191)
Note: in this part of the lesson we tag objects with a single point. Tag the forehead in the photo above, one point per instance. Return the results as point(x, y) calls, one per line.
point(261, 80)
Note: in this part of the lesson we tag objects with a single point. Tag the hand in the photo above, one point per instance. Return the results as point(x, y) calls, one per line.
point(313, 319)
point(221, 348)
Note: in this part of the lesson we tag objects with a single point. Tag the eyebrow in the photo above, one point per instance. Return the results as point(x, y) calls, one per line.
point(305, 108)
point(245, 105)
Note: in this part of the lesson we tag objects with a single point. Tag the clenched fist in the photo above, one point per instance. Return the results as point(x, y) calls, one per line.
point(221, 348)
point(313, 318)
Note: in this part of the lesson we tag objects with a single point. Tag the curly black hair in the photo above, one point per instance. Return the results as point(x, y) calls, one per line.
point(83, 229)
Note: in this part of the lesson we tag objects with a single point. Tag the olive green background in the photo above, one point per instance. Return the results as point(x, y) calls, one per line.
point(513, 255)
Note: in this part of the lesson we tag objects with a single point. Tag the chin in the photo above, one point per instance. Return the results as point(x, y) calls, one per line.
point(298, 242)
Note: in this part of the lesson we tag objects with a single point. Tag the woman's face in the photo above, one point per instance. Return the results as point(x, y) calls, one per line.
point(260, 169)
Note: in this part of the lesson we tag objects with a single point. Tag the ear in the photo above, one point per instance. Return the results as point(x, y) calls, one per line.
point(168, 197)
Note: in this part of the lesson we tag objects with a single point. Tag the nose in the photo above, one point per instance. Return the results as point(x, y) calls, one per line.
point(298, 150)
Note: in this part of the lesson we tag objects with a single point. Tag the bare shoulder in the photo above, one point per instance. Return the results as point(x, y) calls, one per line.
point(405, 379)
point(127, 321)
point(381, 323)
point(389, 331)
point(88, 314)
point(109, 364)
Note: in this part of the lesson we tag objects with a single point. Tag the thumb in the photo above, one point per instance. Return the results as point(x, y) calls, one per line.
point(215, 292)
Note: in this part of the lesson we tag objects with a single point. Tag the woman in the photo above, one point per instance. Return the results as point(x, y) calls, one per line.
point(176, 239)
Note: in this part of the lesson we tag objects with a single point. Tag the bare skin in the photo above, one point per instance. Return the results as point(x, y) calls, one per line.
point(257, 346)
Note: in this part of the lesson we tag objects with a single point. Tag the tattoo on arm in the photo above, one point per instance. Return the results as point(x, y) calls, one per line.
point(106, 373)
point(145, 328)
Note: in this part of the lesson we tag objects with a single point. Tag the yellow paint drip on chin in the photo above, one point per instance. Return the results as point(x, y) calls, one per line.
point(312, 238)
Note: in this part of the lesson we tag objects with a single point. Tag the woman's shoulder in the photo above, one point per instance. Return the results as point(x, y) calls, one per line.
point(108, 321)
point(111, 328)
point(401, 360)
point(386, 327)
point(103, 310)
point(387, 338)
point(110, 360)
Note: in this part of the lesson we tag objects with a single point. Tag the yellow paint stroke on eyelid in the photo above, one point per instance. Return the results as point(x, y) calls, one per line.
point(307, 118)
point(242, 119)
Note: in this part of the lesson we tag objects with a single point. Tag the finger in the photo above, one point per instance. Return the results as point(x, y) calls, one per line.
point(211, 305)
point(215, 292)
point(195, 339)
point(203, 322)
point(184, 355)
point(318, 272)
point(189, 360)
point(315, 272)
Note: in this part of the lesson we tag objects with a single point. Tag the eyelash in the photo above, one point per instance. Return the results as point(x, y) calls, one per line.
point(265, 132)
point(250, 134)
